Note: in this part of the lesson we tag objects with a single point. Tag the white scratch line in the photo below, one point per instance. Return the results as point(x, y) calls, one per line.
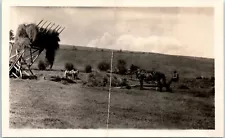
point(110, 83)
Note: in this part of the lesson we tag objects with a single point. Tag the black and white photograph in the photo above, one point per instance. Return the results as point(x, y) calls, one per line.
point(113, 68)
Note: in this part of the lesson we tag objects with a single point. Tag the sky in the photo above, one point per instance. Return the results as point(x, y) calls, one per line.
point(174, 31)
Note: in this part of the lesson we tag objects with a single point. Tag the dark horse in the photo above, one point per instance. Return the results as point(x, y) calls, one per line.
point(158, 77)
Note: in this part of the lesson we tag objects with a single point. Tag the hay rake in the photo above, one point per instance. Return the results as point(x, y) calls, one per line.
point(20, 61)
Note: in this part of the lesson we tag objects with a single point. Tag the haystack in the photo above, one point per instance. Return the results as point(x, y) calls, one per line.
point(99, 79)
point(30, 35)
point(32, 31)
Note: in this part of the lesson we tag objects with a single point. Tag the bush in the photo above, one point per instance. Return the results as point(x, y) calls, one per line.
point(88, 69)
point(103, 66)
point(121, 65)
point(41, 65)
point(69, 66)
point(133, 68)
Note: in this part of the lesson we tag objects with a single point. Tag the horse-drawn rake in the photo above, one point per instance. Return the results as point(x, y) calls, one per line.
point(22, 58)
point(155, 80)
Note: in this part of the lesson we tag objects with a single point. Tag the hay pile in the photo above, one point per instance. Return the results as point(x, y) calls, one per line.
point(24, 35)
point(100, 79)
point(31, 35)
point(62, 80)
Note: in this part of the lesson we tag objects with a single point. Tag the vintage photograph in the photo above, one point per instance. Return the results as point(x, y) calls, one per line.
point(60, 67)
point(141, 68)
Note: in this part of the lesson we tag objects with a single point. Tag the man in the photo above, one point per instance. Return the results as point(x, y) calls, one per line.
point(141, 77)
point(175, 76)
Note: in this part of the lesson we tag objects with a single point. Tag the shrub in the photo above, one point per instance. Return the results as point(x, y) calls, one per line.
point(103, 66)
point(41, 65)
point(121, 65)
point(88, 69)
point(69, 66)
point(133, 68)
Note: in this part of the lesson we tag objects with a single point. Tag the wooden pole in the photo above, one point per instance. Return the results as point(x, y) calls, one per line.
point(52, 26)
point(39, 23)
point(44, 24)
point(61, 30)
point(56, 27)
point(48, 26)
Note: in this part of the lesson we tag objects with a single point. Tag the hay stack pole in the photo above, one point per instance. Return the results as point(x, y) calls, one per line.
point(17, 68)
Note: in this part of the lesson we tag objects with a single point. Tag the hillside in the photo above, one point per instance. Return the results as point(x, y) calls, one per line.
point(53, 102)
point(186, 66)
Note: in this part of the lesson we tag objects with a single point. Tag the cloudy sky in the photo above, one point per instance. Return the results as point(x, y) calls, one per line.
point(176, 31)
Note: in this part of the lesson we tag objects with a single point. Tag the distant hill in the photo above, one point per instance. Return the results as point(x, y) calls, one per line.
point(186, 66)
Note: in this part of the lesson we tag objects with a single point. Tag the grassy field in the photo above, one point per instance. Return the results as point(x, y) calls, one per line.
point(186, 66)
point(43, 103)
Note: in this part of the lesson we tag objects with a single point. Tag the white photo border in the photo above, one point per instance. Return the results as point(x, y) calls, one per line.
point(219, 70)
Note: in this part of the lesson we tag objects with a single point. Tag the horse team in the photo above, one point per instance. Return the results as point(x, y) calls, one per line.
point(155, 77)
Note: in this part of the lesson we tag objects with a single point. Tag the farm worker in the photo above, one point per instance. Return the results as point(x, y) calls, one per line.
point(175, 76)
point(141, 78)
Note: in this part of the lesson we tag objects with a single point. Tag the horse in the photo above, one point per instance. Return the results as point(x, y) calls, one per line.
point(152, 76)
point(73, 73)
point(157, 77)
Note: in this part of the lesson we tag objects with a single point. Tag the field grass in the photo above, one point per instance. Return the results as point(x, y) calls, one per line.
point(47, 104)
point(43, 103)
point(186, 66)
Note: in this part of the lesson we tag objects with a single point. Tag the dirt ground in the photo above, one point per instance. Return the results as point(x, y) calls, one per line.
point(47, 104)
